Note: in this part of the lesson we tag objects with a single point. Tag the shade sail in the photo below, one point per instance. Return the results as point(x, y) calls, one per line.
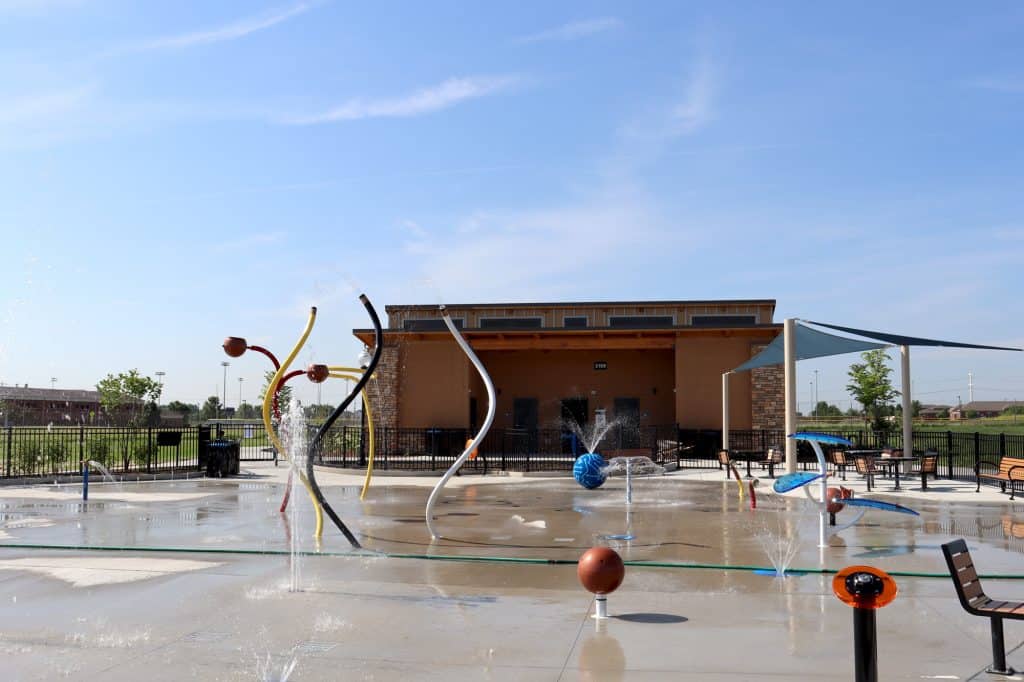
point(899, 340)
point(810, 343)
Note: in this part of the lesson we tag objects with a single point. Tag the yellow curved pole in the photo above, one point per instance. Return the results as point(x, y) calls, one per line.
point(369, 427)
point(268, 399)
point(356, 370)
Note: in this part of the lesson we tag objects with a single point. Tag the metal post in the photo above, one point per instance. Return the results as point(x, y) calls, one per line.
point(908, 408)
point(998, 650)
point(7, 459)
point(725, 410)
point(789, 347)
point(865, 646)
point(949, 452)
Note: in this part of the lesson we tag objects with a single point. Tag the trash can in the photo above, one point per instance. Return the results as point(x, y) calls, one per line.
point(222, 458)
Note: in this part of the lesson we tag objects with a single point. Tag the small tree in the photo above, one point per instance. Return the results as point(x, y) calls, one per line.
point(871, 387)
point(211, 408)
point(284, 396)
point(129, 393)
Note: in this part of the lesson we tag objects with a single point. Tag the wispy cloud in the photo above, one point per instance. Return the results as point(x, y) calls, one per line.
point(696, 107)
point(41, 106)
point(1005, 84)
point(233, 31)
point(689, 108)
point(572, 31)
point(425, 101)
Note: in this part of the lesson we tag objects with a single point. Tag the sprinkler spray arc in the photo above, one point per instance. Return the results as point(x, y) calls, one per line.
point(471, 446)
point(315, 444)
point(270, 398)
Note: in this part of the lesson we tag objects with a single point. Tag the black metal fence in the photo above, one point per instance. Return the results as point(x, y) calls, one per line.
point(59, 451)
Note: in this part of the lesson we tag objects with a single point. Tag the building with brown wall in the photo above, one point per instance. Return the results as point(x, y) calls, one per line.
point(656, 363)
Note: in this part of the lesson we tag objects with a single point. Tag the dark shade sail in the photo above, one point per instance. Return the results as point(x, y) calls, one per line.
point(810, 343)
point(898, 340)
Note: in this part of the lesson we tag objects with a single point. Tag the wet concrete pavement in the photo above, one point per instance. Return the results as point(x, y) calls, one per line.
point(186, 600)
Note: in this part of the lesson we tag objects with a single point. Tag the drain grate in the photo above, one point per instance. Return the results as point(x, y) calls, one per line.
point(205, 637)
point(315, 647)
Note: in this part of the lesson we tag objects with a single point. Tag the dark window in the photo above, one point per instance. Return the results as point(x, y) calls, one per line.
point(640, 321)
point(524, 413)
point(430, 324)
point(573, 321)
point(510, 322)
point(723, 320)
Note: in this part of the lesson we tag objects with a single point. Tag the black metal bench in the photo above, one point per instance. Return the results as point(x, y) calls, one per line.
point(977, 603)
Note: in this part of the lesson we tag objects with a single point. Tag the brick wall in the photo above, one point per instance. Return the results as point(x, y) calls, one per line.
point(384, 386)
point(767, 395)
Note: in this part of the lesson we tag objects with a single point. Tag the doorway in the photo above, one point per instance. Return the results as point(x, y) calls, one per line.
point(574, 411)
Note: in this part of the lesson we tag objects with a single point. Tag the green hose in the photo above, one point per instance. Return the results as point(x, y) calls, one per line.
point(471, 558)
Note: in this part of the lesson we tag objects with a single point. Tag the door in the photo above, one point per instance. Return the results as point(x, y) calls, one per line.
point(627, 414)
point(574, 413)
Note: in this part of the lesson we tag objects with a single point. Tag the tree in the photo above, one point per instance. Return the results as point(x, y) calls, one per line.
point(871, 387)
point(824, 409)
point(184, 409)
point(318, 413)
point(248, 411)
point(129, 393)
point(284, 396)
point(211, 408)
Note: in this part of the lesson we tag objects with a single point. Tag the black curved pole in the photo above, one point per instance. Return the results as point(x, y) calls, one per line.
point(314, 446)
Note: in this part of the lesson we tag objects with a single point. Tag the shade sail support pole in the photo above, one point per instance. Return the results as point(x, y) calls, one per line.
point(908, 410)
point(789, 362)
point(725, 410)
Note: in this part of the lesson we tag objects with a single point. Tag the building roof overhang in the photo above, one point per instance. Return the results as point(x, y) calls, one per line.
point(590, 338)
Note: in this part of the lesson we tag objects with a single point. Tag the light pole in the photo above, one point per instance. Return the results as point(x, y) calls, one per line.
point(815, 393)
point(240, 380)
point(225, 364)
point(160, 380)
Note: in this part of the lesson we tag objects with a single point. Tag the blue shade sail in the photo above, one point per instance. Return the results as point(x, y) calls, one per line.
point(900, 340)
point(810, 343)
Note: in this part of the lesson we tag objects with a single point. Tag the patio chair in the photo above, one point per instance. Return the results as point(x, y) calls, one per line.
point(773, 458)
point(866, 468)
point(839, 462)
point(725, 460)
point(977, 603)
point(928, 464)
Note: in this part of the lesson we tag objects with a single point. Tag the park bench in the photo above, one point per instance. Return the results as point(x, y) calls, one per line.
point(977, 603)
point(1009, 470)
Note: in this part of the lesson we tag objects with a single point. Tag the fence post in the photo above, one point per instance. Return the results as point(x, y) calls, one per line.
point(82, 464)
point(7, 458)
point(949, 451)
point(1002, 444)
point(503, 449)
point(977, 453)
point(149, 449)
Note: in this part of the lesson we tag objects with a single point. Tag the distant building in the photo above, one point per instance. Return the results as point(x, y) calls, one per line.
point(983, 408)
point(655, 363)
point(933, 411)
point(24, 406)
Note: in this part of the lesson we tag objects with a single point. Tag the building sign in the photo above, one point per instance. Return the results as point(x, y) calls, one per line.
point(600, 364)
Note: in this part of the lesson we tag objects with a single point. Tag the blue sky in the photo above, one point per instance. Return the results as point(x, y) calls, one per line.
point(173, 173)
